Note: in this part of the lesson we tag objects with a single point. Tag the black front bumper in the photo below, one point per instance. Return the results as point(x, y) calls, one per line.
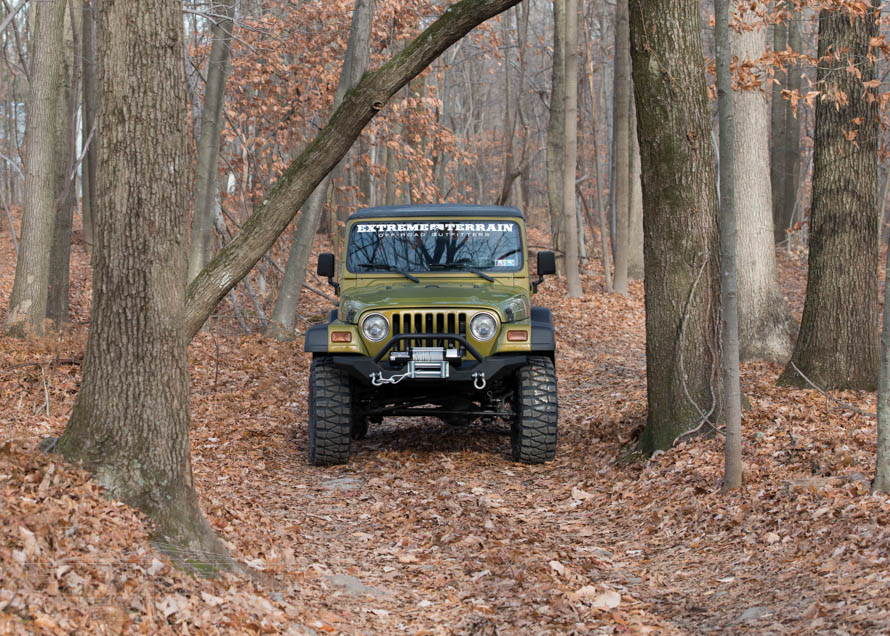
point(362, 368)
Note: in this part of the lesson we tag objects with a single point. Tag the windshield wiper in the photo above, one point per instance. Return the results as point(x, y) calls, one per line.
point(462, 266)
point(389, 268)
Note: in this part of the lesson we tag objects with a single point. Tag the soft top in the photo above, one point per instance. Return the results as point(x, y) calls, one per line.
point(436, 209)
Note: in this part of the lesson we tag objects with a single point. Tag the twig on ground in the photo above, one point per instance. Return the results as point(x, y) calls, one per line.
point(840, 403)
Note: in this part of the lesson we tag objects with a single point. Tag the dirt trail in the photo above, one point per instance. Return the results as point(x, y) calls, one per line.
point(434, 530)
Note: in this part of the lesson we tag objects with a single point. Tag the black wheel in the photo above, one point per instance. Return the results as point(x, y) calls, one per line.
point(330, 413)
point(533, 433)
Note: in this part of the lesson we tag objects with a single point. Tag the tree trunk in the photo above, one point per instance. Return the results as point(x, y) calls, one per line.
point(682, 284)
point(766, 327)
point(90, 134)
point(355, 63)
point(201, 246)
point(778, 111)
point(635, 267)
point(837, 347)
point(27, 305)
point(66, 121)
point(791, 145)
point(621, 119)
point(569, 201)
point(732, 474)
point(359, 106)
point(130, 422)
point(881, 482)
point(556, 135)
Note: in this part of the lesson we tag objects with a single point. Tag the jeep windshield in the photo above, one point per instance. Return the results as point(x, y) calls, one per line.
point(472, 245)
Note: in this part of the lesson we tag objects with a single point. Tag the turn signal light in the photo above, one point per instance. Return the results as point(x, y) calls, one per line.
point(517, 336)
point(341, 336)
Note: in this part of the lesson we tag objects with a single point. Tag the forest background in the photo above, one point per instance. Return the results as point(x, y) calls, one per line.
point(482, 124)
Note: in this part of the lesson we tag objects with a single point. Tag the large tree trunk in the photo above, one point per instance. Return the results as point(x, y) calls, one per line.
point(66, 121)
point(27, 304)
point(837, 347)
point(359, 106)
point(679, 223)
point(201, 246)
point(621, 128)
point(556, 135)
point(355, 63)
point(130, 422)
point(766, 327)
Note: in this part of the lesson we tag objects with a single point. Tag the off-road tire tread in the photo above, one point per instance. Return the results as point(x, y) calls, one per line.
point(534, 433)
point(330, 414)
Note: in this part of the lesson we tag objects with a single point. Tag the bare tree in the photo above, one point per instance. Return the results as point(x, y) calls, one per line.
point(27, 305)
point(569, 209)
point(556, 135)
point(355, 63)
point(837, 347)
point(732, 475)
point(681, 238)
point(621, 131)
point(200, 248)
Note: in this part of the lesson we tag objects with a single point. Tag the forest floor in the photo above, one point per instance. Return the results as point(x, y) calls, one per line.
point(433, 530)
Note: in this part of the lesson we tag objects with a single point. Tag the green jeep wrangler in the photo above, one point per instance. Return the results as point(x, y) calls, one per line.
point(435, 319)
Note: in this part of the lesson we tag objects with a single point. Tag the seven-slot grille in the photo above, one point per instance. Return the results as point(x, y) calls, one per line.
point(408, 322)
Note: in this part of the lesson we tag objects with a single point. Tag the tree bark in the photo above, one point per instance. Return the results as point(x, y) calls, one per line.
point(881, 482)
point(556, 135)
point(766, 327)
point(732, 473)
point(355, 63)
point(27, 305)
point(90, 133)
point(130, 422)
point(359, 106)
point(778, 112)
point(791, 144)
point(569, 200)
point(635, 266)
point(66, 121)
point(682, 285)
point(837, 347)
point(621, 119)
point(201, 246)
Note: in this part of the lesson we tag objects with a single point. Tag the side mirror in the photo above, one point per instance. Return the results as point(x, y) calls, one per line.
point(326, 265)
point(326, 268)
point(546, 263)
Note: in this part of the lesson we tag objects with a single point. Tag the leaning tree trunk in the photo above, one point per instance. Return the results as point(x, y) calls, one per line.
point(766, 327)
point(621, 127)
point(682, 285)
point(27, 304)
point(355, 63)
point(556, 135)
point(359, 106)
point(200, 248)
point(130, 422)
point(837, 347)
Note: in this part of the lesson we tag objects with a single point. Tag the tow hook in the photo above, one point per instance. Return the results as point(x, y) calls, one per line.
point(479, 380)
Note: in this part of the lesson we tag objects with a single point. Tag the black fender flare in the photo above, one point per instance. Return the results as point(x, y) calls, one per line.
point(317, 336)
point(543, 338)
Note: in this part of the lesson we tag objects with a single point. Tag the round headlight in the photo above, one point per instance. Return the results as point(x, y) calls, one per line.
point(483, 327)
point(375, 328)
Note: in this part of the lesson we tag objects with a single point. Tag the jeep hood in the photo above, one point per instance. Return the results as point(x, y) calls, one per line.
point(427, 294)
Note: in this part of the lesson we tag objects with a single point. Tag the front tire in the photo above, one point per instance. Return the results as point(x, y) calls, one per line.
point(330, 413)
point(534, 430)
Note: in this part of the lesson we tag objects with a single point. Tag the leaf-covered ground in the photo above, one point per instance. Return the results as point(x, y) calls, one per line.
point(432, 530)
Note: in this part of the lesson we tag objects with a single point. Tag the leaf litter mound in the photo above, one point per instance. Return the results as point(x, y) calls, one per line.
point(432, 529)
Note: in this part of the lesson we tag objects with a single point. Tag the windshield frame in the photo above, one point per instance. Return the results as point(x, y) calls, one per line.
point(395, 227)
